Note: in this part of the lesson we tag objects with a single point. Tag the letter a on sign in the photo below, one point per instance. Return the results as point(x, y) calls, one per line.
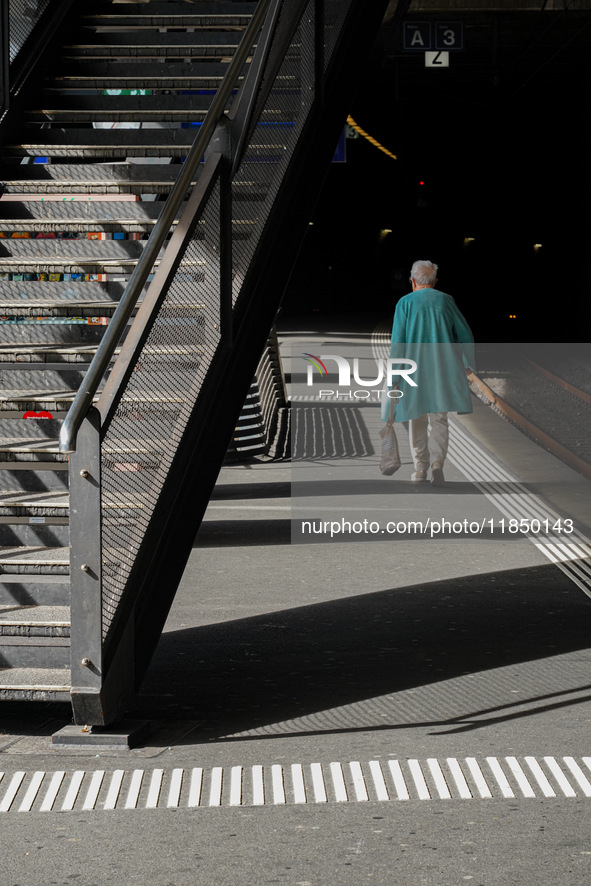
point(417, 35)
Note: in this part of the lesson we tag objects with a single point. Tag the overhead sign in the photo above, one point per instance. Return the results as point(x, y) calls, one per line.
point(437, 59)
point(416, 35)
point(449, 36)
point(432, 36)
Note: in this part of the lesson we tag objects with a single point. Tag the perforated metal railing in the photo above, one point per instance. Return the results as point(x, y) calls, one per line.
point(147, 427)
point(148, 414)
point(23, 16)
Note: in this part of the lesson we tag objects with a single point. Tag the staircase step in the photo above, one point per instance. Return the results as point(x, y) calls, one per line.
point(162, 15)
point(32, 477)
point(99, 178)
point(27, 590)
point(69, 256)
point(157, 75)
point(46, 505)
point(31, 298)
point(34, 560)
point(31, 376)
point(138, 75)
point(51, 333)
point(148, 44)
point(34, 684)
point(47, 178)
point(242, 228)
point(41, 355)
point(82, 217)
point(119, 143)
point(18, 312)
point(35, 428)
point(122, 143)
point(154, 108)
point(128, 108)
point(34, 652)
point(86, 214)
point(23, 531)
point(34, 621)
point(30, 452)
point(55, 402)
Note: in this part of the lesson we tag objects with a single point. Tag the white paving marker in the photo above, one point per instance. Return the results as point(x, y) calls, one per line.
point(378, 780)
point(317, 783)
point(258, 786)
point(134, 789)
point(459, 778)
point(299, 787)
point(358, 782)
point(114, 789)
point(338, 780)
point(278, 786)
point(52, 792)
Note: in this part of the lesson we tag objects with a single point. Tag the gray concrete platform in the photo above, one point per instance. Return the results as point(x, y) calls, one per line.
point(300, 689)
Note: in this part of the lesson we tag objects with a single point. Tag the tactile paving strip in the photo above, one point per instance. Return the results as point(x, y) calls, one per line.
point(389, 780)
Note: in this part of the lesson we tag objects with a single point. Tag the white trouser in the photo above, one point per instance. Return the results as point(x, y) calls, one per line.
point(428, 436)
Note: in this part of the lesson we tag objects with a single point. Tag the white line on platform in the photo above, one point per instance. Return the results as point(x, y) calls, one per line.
point(310, 784)
point(93, 790)
point(32, 792)
point(258, 786)
point(174, 792)
point(358, 782)
point(195, 789)
point(419, 780)
point(571, 553)
point(398, 779)
point(338, 780)
point(52, 792)
point(560, 777)
point(459, 778)
point(278, 787)
point(73, 791)
point(134, 789)
point(236, 786)
point(299, 787)
point(114, 789)
point(378, 780)
point(318, 783)
point(500, 776)
point(439, 779)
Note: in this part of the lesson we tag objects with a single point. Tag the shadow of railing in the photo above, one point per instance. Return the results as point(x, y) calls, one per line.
point(315, 669)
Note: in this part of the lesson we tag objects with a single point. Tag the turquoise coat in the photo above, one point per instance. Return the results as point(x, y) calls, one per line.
point(429, 329)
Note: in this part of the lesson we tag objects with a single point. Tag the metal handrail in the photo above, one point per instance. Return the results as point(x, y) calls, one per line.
point(100, 362)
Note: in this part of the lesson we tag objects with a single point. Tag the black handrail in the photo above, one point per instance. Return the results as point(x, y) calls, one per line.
point(84, 398)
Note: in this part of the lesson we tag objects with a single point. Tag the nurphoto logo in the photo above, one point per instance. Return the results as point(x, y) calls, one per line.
point(389, 371)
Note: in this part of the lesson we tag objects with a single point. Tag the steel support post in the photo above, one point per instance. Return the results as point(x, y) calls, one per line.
point(85, 574)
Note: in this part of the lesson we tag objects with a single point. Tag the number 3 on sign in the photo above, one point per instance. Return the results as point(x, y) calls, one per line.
point(437, 59)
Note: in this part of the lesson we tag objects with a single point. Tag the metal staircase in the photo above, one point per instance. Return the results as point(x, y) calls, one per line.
point(180, 209)
point(70, 239)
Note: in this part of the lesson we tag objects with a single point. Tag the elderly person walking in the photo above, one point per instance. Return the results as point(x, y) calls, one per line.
point(429, 329)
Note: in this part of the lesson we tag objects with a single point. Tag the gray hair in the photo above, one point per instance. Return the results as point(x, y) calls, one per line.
point(424, 273)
